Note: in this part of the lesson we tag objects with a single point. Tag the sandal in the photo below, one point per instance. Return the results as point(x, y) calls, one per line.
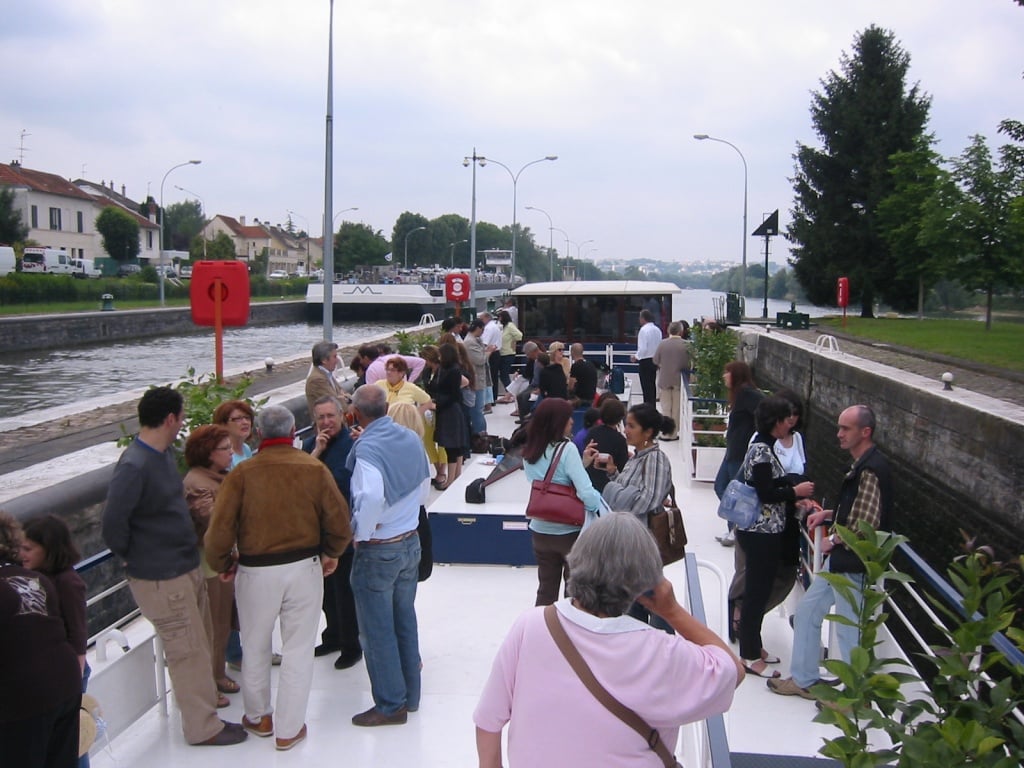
point(766, 673)
point(440, 482)
point(227, 685)
point(223, 701)
point(768, 658)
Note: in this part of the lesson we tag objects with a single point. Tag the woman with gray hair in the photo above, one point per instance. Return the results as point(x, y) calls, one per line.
point(668, 680)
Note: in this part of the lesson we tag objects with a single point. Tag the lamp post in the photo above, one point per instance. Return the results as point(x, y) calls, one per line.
point(202, 211)
point(743, 268)
point(407, 244)
point(515, 182)
point(343, 210)
point(551, 240)
point(567, 241)
point(328, 254)
point(452, 246)
point(579, 248)
point(173, 167)
point(475, 160)
point(308, 264)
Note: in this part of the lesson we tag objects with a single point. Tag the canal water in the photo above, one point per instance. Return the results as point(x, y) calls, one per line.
point(35, 380)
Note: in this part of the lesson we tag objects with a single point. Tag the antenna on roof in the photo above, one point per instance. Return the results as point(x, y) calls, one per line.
point(21, 148)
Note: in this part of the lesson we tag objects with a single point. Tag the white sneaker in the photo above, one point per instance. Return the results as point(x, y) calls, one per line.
point(728, 540)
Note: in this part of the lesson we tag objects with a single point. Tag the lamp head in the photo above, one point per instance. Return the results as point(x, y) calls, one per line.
point(701, 136)
point(551, 157)
point(195, 162)
point(465, 162)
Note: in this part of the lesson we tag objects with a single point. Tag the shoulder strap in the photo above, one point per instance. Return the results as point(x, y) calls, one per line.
point(609, 702)
point(554, 463)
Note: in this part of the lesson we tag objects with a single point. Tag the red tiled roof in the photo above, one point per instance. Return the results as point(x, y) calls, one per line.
point(106, 202)
point(16, 175)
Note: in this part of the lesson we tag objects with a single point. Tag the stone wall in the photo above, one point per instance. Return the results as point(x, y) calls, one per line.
point(53, 331)
point(957, 458)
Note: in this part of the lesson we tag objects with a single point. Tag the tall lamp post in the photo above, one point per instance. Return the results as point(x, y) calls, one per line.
point(202, 211)
point(567, 241)
point(407, 244)
point(515, 182)
point(172, 168)
point(551, 241)
point(334, 220)
point(743, 268)
point(452, 246)
point(328, 255)
point(475, 160)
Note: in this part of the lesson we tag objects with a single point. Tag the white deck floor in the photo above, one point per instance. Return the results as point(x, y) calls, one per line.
point(464, 613)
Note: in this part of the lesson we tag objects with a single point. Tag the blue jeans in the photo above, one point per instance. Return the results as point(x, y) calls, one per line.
point(477, 422)
point(384, 584)
point(810, 613)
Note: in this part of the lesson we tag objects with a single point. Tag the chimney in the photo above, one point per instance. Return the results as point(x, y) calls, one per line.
point(241, 220)
point(122, 191)
point(111, 184)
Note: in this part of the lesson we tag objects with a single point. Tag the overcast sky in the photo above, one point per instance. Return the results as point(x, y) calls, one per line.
point(123, 91)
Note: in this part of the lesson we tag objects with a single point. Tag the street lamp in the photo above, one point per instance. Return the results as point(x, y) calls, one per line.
point(743, 268)
point(579, 248)
point(515, 182)
point(343, 210)
point(567, 241)
point(475, 160)
point(202, 211)
point(174, 167)
point(407, 244)
point(551, 236)
point(452, 246)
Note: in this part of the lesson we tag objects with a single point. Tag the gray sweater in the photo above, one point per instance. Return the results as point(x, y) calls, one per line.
point(146, 521)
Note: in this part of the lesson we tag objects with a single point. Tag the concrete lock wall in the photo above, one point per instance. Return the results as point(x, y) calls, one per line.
point(54, 331)
point(956, 464)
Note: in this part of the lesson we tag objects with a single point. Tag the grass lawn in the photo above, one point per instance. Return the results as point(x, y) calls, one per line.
point(1003, 346)
point(61, 307)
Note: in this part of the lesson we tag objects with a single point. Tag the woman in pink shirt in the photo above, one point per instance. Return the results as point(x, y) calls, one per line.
point(668, 680)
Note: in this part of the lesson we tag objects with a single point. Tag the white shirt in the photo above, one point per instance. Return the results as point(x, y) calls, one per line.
point(492, 334)
point(372, 518)
point(647, 340)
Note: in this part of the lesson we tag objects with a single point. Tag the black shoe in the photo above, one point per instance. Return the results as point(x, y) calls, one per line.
point(324, 649)
point(347, 660)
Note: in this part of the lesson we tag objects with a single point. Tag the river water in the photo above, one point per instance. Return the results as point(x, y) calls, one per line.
point(32, 381)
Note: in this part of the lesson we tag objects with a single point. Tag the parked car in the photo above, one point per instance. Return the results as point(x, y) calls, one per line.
point(278, 274)
point(186, 271)
point(86, 268)
point(8, 262)
point(50, 261)
point(126, 270)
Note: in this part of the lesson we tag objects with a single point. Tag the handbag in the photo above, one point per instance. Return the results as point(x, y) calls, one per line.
point(468, 397)
point(554, 502)
point(599, 692)
point(666, 526)
point(740, 504)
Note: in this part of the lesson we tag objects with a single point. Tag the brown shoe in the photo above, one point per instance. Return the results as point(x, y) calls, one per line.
point(228, 735)
point(788, 687)
point(374, 717)
point(262, 728)
point(286, 744)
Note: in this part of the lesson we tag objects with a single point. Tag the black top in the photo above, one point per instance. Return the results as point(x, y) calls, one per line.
point(553, 383)
point(586, 380)
point(609, 440)
point(741, 423)
point(843, 560)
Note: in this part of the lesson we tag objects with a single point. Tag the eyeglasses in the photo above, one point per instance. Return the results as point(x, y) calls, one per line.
point(236, 419)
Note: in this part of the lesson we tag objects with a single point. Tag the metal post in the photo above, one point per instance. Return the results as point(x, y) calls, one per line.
point(328, 283)
point(551, 236)
point(743, 268)
point(161, 270)
point(407, 244)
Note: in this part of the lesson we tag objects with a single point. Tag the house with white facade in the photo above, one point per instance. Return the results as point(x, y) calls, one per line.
point(57, 213)
point(149, 229)
point(283, 250)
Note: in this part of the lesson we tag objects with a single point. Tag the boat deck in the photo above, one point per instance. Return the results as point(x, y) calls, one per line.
point(464, 612)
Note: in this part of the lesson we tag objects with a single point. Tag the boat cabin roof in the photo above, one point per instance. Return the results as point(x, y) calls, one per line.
point(596, 287)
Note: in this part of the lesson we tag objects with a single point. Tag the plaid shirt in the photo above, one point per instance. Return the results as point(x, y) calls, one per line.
point(867, 505)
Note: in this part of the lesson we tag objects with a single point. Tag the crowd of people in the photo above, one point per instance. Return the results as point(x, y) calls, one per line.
point(249, 540)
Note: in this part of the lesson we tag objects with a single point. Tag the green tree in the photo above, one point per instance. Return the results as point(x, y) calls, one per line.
point(863, 115)
point(977, 214)
point(12, 229)
point(359, 244)
point(120, 232)
point(221, 248)
point(901, 218)
point(420, 244)
point(182, 222)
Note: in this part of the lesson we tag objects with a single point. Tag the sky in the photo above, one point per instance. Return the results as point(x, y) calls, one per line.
point(124, 91)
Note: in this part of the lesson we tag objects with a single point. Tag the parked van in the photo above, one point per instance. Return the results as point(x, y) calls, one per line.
point(50, 261)
point(7, 260)
point(84, 268)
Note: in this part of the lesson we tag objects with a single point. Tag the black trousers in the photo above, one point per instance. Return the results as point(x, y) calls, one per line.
point(648, 376)
point(494, 363)
point(339, 605)
point(49, 740)
point(764, 553)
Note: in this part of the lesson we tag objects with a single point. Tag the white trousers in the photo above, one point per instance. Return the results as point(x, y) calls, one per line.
point(292, 592)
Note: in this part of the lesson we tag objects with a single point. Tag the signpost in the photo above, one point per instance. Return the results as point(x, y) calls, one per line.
point(219, 295)
point(457, 288)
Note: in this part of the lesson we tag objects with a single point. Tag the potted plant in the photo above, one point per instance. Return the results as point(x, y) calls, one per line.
point(712, 350)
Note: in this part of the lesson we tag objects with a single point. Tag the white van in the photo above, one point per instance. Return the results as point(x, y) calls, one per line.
point(7, 260)
point(84, 268)
point(50, 261)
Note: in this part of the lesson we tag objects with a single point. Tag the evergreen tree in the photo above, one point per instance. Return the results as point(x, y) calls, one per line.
point(12, 229)
point(863, 115)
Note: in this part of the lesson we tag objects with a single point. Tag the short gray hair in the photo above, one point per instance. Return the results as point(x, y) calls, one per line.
point(614, 561)
point(329, 399)
point(675, 328)
point(321, 350)
point(275, 421)
point(530, 346)
point(371, 401)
